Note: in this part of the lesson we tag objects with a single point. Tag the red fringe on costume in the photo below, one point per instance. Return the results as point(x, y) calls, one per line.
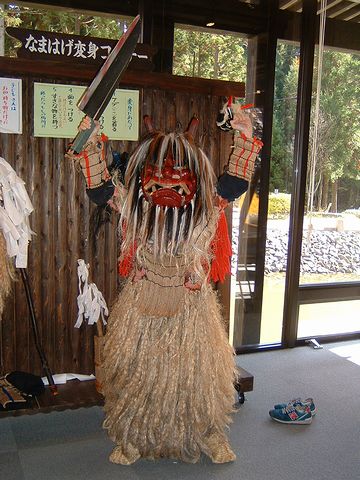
point(126, 264)
point(221, 248)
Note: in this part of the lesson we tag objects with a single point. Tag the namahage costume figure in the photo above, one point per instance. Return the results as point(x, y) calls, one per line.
point(169, 371)
point(5, 278)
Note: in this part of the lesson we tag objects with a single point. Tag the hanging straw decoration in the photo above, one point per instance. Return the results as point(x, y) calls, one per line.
point(90, 300)
point(15, 208)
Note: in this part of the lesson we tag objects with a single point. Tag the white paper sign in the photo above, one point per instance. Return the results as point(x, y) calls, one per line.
point(10, 105)
point(56, 113)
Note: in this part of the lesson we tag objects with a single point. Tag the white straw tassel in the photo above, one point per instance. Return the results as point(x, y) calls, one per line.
point(163, 234)
point(181, 229)
point(156, 230)
point(91, 303)
point(174, 229)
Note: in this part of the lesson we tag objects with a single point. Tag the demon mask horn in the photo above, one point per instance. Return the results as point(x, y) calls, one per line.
point(192, 127)
point(148, 124)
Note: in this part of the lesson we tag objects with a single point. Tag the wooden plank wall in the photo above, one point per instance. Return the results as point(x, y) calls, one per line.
point(61, 222)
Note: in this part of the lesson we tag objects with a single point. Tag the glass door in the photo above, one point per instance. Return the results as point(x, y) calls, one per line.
point(330, 257)
point(258, 280)
point(249, 215)
point(280, 190)
point(311, 275)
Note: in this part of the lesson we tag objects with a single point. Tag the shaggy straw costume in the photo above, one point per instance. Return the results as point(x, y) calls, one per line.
point(5, 278)
point(169, 369)
point(168, 375)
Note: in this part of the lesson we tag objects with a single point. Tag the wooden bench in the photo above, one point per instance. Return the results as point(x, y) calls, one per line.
point(243, 384)
point(75, 394)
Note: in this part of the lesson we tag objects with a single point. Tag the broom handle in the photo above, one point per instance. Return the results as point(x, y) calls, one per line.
point(39, 348)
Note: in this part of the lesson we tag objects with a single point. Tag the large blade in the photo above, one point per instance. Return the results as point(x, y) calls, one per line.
point(98, 94)
point(96, 97)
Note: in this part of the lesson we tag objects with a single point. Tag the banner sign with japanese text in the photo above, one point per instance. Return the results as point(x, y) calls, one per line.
point(56, 113)
point(41, 45)
point(10, 105)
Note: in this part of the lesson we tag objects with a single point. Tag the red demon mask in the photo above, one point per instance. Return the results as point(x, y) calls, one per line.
point(169, 187)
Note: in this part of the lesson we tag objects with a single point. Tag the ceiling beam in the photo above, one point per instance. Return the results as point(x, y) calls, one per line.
point(286, 4)
point(341, 8)
point(329, 5)
point(352, 15)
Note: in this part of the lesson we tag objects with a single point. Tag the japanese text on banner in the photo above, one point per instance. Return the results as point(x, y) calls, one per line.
point(56, 113)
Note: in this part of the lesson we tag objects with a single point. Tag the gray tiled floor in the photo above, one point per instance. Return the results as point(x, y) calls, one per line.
point(73, 460)
point(42, 430)
point(10, 467)
point(7, 438)
point(72, 445)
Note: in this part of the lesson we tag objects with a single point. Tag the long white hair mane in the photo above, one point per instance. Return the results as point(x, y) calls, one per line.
point(167, 230)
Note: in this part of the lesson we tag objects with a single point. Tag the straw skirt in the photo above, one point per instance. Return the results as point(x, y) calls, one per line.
point(168, 380)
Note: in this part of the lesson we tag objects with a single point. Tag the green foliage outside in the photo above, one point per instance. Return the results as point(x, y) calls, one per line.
point(279, 205)
point(285, 95)
point(209, 55)
point(336, 166)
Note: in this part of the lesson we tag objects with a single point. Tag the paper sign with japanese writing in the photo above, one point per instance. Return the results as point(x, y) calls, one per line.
point(10, 105)
point(56, 113)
